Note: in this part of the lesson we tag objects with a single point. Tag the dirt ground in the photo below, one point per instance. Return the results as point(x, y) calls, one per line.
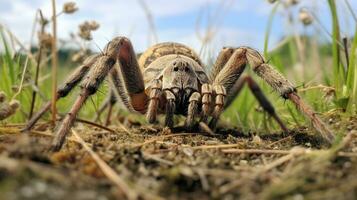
point(158, 163)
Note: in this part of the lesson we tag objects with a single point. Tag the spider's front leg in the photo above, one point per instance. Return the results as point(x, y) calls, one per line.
point(118, 49)
point(133, 78)
point(192, 109)
point(89, 86)
point(63, 91)
point(170, 108)
point(226, 71)
point(154, 100)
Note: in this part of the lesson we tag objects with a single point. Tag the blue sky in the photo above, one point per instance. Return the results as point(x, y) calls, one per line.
point(236, 22)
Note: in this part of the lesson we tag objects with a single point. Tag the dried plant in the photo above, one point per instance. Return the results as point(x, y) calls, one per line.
point(69, 8)
point(7, 108)
point(45, 39)
point(305, 17)
point(292, 2)
point(86, 28)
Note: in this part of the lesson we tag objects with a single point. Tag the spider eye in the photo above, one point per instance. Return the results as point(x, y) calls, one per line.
point(175, 69)
point(187, 69)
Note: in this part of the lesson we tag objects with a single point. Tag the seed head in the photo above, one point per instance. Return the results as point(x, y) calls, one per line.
point(14, 104)
point(292, 2)
point(45, 39)
point(8, 109)
point(86, 28)
point(305, 17)
point(85, 34)
point(69, 7)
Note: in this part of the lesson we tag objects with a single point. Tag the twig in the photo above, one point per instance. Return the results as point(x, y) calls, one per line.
point(256, 151)
point(108, 171)
point(54, 63)
point(124, 128)
point(202, 147)
point(94, 124)
point(9, 130)
point(276, 142)
point(37, 116)
point(158, 159)
point(162, 137)
point(39, 58)
point(219, 146)
point(346, 154)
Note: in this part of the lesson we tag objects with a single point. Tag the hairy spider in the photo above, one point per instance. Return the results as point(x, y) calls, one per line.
point(169, 78)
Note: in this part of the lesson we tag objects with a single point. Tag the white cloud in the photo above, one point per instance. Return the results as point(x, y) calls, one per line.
point(114, 16)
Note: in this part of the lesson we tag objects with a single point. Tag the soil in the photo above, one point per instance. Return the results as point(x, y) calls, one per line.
point(159, 163)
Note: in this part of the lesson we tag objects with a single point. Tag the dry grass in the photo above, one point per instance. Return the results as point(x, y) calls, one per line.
point(154, 163)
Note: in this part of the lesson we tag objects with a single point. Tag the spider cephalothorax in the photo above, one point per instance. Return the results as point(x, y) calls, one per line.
point(169, 78)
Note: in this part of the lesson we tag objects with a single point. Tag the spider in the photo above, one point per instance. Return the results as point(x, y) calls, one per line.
point(169, 78)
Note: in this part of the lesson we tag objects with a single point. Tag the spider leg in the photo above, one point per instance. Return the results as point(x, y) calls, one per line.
point(206, 91)
point(280, 84)
point(221, 60)
point(170, 108)
point(89, 86)
point(224, 81)
point(259, 95)
point(63, 91)
point(117, 49)
point(133, 78)
point(192, 109)
point(154, 101)
point(220, 95)
point(245, 55)
point(120, 89)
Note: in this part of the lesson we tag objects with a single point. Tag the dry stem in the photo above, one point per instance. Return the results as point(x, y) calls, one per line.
point(54, 63)
point(39, 58)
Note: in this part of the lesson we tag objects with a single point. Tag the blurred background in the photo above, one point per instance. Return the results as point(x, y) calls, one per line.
point(309, 41)
point(227, 22)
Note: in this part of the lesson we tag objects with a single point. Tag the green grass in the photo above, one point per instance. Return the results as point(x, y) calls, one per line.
point(344, 80)
point(351, 81)
point(11, 68)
